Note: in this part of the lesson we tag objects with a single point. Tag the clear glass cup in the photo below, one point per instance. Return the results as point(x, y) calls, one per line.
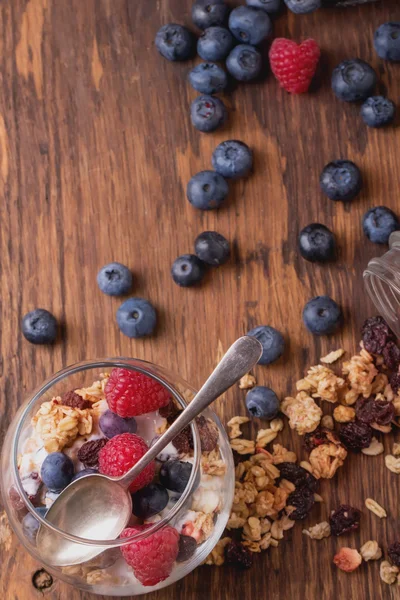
point(108, 573)
point(382, 281)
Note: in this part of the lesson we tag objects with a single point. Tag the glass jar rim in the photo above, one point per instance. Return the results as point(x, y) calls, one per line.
point(122, 362)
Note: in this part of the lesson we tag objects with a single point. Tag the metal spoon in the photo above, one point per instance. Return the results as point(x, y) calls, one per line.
point(98, 507)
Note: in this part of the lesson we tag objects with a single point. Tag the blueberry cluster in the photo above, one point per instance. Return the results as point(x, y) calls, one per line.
point(211, 249)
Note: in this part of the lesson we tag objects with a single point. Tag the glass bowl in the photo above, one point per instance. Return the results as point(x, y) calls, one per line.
point(201, 511)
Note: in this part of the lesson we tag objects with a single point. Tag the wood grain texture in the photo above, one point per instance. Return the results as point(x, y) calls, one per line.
point(96, 148)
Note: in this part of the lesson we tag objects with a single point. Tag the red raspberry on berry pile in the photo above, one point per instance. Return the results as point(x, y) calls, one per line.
point(130, 393)
point(294, 65)
point(120, 454)
point(151, 558)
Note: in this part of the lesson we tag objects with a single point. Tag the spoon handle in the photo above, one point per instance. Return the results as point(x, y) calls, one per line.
point(238, 361)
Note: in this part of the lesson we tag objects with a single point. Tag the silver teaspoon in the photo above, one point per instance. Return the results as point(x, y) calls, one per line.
point(98, 507)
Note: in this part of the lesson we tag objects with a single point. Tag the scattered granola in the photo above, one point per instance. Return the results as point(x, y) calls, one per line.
point(242, 446)
point(332, 356)
point(322, 383)
point(304, 414)
point(327, 422)
point(374, 448)
point(247, 381)
point(318, 531)
point(347, 559)
point(371, 551)
point(234, 426)
point(344, 414)
point(217, 555)
point(276, 425)
point(393, 463)
point(326, 459)
point(376, 508)
point(265, 437)
point(361, 371)
point(281, 455)
point(396, 449)
point(388, 572)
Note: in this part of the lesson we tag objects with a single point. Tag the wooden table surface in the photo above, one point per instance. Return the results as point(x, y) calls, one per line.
point(96, 149)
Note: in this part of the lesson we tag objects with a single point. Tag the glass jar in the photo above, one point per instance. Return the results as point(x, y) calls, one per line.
point(202, 511)
point(382, 280)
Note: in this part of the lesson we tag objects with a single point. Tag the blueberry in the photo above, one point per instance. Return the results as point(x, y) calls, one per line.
point(136, 318)
point(207, 190)
point(262, 402)
point(215, 43)
point(174, 42)
point(206, 13)
point(387, 41)
point(187, 547)
point(175, 474)
point(341, 180)
point(83, 473)
point(208, 78)
point(303, 7)
point(112, 424)
point(207, 113)
point(114, 279)
point(187, 270)
point(322, 315)
point(270, 6)
point(30, 525)
point(39, 327)
point(212, 248)
point(244, 62)
point(378, 111)
point(317, 243)
point(232, 159)
point(272, 342)
point(249, 25)
point(353, 80)
point(149, 501)
point(378, 223)
point(57, 471)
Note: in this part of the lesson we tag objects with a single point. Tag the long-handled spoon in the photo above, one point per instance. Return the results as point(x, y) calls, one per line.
point(98, 507)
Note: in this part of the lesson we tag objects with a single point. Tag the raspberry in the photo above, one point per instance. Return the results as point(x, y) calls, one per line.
point(151, 558)
point(130, 393)
point(120, 454)
point(294, 65)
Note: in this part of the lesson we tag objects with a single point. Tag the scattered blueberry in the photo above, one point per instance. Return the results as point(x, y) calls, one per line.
point(174, 42)
point(207, 113)
point(149, 501)
point(378, 111)
point(232, 159)
point(387, 41)
point(317, 243)
point(262, 402)
point(272, 341)
point(303, 7)
point(208, 78)
point(57, 471)
point(207, 190)
point(270, 6)
point(114, 279)
point(136, 318)
point(187, 547)
point(215, 43)
point(244, 62)
point(341, 180)
point(206, 13)
point(379, 223)
point(112, 424)
point(175, 474)
point(39, 327)
point(187, 270)
point(249, 25)
point(83, 473)
point(322, 315)
point(212, 248)
point(30, 525)
point(353, 80)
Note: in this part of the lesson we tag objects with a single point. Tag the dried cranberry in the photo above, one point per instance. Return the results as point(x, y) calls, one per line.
point(370, 411)
point(208, 433)
point(344, 519)
point(391, 356)
point(74, 400)
point(303, 500)
point(187, 547)
point(238, 556)
point(171, 410)
point(394, 553)
point(88, 454)
point(320, 436)
point(395, 382)
point(298, 476)
point(376, 333)
point(355, 435)
point(364, 410)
